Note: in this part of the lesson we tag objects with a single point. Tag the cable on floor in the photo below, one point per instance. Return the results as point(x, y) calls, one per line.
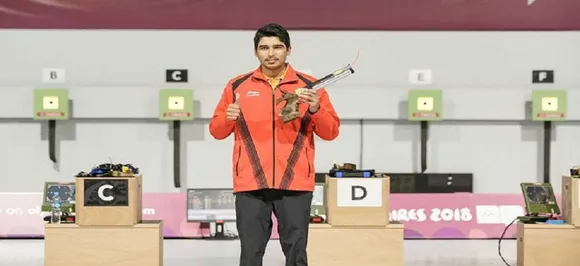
point(501, 238)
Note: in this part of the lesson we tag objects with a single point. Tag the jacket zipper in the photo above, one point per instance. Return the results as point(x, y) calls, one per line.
point(274, 137)
point(238, 160)
point(308, 161)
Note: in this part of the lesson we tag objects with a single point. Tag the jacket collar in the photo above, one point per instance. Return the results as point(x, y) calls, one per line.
point(289, 77)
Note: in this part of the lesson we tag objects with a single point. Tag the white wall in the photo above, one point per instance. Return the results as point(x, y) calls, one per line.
point(114, 77)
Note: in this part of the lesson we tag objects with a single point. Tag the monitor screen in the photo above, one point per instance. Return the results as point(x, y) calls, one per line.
point(540, 195)
point(318, 195)
point(66, 192)
point(539, 198)
point(210, 205)
point(317, 206)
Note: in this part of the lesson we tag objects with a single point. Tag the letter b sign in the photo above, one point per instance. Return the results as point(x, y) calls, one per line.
point(360, 192)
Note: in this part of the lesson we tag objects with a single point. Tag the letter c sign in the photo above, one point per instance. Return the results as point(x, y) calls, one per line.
point(101, 192)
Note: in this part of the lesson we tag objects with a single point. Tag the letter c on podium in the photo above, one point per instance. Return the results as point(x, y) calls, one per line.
point(102, 193)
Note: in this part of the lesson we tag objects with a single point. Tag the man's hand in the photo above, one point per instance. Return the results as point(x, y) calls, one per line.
point(311, 98)
point(233, 111)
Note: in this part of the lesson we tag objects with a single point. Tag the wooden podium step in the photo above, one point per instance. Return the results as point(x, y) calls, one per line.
point(74, 245)
point(355, 245)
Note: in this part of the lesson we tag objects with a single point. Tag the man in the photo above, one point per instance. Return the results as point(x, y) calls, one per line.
point(273, 161)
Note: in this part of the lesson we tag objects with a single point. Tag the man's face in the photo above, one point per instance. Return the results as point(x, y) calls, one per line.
point(272, 52)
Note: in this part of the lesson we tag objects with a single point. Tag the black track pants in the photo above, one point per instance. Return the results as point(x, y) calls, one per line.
point(254, 222)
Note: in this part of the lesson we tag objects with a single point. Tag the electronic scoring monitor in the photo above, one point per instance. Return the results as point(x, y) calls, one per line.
point(210, 205)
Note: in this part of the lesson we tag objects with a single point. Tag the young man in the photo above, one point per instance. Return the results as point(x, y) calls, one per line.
point(273, 161)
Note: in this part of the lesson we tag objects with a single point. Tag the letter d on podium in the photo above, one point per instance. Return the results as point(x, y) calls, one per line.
point(362, 195)
point(358, 201)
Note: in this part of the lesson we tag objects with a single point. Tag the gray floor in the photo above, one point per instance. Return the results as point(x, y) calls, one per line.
point(224, 253)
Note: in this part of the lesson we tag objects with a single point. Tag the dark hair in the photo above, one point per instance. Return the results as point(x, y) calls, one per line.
point(272, 30)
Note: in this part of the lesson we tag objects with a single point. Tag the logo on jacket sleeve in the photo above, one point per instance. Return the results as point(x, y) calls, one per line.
point(252, 93)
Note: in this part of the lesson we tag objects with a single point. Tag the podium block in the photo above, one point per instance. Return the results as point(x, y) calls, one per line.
point(109, 200)
point(360, 245)
point(357, 201)
point(548, 244)
point(570, 200)
point(73, 245)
